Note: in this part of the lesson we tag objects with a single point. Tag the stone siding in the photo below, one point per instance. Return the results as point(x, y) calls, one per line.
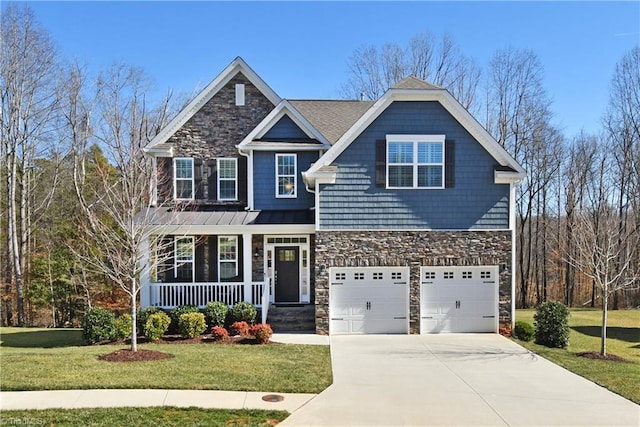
point(413, 249)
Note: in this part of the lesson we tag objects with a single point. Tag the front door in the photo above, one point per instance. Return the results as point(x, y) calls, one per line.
point(287, 274)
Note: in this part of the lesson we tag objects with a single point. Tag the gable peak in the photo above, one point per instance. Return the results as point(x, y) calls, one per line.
point(413, 82)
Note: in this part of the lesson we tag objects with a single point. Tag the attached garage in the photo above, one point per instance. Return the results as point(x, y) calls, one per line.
point(458, 299)
point(369, 300)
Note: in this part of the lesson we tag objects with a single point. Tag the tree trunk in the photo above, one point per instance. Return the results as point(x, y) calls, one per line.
point(603, 334)
point(134, 332)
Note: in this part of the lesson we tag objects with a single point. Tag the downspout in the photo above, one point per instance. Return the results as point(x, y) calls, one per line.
point(249, 157)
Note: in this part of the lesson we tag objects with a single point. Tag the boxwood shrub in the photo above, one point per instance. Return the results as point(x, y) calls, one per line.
point(243, 312)
point(191, 324)
point(143, 315)
point(216, 313)
point(551, 322)
point(156, 326)
point(523, 331)
point(98, 325)
point(175, 314)
point(122, 327)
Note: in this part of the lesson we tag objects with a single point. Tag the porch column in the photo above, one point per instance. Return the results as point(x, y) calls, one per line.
point(247, 271)
point(145, 273)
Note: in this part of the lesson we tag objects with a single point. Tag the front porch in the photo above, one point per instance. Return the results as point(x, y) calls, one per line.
point(170, 295)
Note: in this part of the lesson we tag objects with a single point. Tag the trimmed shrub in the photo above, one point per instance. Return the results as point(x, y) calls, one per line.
point(505, 330)
point(216, 313)
point(142, 316)
point(175, 314)
point(243, 312)
point(262, 332)
point(551, 322)
point(122, 327)
point(240, 328)
point(219, 333)
point(191, 324)
point(156, 326)
point(98, 325)
point(523, 331)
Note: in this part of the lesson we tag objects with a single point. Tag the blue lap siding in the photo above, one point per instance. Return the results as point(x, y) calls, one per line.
point(354, 202)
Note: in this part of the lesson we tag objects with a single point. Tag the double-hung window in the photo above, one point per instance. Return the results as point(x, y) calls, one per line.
point(183, 265)
point(227, 257)
point(183, 178)
point(415, 161)
point(227, 179)
point(286, 175)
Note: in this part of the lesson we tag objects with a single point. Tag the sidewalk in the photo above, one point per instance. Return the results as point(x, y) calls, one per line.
point(112, 398)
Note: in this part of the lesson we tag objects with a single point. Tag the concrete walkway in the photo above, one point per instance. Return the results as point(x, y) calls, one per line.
point(455, 380)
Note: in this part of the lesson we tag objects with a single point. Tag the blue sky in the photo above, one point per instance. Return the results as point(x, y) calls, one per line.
point(301, 48)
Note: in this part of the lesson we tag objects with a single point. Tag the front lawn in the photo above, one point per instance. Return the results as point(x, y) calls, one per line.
point(53, 359)
point(132, 417)
point(623, 340)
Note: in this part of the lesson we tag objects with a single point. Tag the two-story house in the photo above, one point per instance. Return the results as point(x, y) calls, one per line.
point(393, 216)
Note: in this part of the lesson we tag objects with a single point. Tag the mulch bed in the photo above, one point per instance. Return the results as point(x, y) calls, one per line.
point(596, 355)
point(126, 355)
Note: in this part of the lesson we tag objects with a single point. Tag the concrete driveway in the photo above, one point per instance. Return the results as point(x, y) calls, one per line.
point(455, 380)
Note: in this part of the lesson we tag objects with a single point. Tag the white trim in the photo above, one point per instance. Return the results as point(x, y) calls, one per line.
point(282, 109)
point(175, 256)
point(237, 229)
point(250, 195)
point(235, 179)
point(445, 99)
point(238, 65)
point(295, 176)
point(304, 273)
point(220, 262)
point(175, 179)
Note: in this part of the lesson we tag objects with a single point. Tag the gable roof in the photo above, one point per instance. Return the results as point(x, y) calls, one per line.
point(284, 108)
point(236, 66)
point(332, 118)
point(410, 89)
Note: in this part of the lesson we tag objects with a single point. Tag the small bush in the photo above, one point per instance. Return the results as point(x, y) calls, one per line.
point(174, 328)
point(98, 325)
point(262, 332)
point(156, 326)
point(216, 313)
point(243, 312)
point(505, 330)
point(551, 322)
point(191, 324)
point(122, 327)
point(524, 331)
point(240, 328)
point(219, 333)
point(142, 316)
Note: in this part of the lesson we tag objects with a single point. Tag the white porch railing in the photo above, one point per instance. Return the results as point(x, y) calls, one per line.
point(170, 295)
point(266, 297)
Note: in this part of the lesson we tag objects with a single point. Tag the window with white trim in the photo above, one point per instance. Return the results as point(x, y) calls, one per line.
point(286, 175)
point(415, 161)
point(183, 259)
point(227, 179)
point(227, 257)
point(183, 178)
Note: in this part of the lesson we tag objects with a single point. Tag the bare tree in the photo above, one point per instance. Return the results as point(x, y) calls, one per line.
point(28, 72)
point(440, 62)
point(604, 250)
point(118, 210)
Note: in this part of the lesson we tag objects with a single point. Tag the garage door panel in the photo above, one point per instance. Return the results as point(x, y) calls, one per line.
point(458, 299)
point(368, 300)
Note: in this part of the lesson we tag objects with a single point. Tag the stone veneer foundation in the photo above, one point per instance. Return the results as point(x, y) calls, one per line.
point(413, 249)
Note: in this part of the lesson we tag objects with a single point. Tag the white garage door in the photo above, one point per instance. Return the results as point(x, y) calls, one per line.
point(458, 299)
point(369, 300)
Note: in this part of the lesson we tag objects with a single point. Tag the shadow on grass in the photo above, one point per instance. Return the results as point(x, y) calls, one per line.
point(51, 338)
point(623, 334)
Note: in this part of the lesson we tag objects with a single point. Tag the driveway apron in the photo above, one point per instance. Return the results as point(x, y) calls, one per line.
point(455, 380)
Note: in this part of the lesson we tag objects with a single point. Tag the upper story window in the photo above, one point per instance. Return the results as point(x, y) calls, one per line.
point(286, 175)
point(415, 161)
point(183, 266)
point(183, 178)
point(227, 179)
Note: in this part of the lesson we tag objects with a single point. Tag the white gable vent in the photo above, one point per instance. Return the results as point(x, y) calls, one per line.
point(239, 94)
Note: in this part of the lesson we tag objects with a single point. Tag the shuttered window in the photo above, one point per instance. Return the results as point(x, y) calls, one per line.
point(183, 178)
point(415, 161)
point(183, 266)
point(227, 257)
point(227, 179)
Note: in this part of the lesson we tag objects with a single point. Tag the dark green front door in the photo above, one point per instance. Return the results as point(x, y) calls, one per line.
point(287, 274)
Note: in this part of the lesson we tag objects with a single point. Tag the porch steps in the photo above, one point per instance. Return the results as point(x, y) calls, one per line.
point(288, 318)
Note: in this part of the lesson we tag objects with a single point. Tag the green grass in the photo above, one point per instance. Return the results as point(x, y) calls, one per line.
point(623, 333)
point(165, 416)
point(41, 359)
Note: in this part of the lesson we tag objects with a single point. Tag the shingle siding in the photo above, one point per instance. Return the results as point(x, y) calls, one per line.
point(264, 182)
point(354, 201)
point(285, 128)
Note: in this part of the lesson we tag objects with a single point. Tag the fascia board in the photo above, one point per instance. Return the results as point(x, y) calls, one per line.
point(236, 66)
point(446, 100)
point(501, 177)
point(282, 109)
point(283, 147)
point(237, 229)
